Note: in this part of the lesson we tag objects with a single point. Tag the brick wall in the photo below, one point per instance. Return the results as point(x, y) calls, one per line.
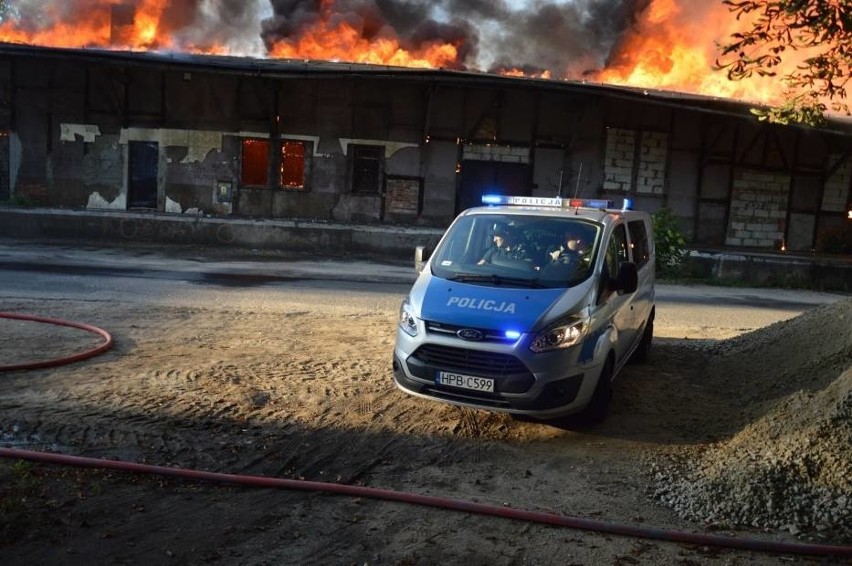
point(836, 192)
point(618, 163)
point(621, 164)
point(503, 153)
point(758, 209)
point(652, 163)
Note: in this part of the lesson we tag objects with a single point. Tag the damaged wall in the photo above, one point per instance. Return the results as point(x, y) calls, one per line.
point(392, 147)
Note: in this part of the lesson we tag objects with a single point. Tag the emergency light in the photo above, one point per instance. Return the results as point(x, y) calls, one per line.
point(554, 202)
point(590, 203)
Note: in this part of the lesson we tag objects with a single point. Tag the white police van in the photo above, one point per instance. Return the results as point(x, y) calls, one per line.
point(529, 306)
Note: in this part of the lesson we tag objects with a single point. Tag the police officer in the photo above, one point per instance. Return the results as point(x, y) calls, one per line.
point(506, 246)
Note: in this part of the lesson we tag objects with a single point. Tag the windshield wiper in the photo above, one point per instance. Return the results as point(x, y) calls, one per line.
point(496, 280)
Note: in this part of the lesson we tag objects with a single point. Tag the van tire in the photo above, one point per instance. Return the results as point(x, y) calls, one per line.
point(644, 348)
point(598, 406)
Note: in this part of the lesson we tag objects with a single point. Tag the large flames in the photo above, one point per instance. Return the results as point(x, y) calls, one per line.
point(104, 24)
point(672, 44)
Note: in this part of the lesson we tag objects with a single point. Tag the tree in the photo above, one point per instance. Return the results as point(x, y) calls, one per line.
point(822, 27)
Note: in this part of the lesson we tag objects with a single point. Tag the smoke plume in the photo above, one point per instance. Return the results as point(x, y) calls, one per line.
point(563, 37)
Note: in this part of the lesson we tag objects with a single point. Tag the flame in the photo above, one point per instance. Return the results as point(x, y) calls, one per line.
point(672, 46)
point(672, 50)
point(345, 41)
point(116, 24)
point(515, 72)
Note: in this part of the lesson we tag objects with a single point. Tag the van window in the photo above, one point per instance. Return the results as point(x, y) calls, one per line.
point(616, 252)
point(519, 250)
point(639, 243)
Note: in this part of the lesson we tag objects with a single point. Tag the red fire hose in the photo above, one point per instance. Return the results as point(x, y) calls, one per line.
point(388, 495)
point(103, 347)
point(440, 502)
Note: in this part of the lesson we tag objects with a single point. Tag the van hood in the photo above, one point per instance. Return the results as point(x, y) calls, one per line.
point(481, 306)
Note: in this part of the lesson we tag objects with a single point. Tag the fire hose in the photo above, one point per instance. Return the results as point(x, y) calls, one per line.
point(541, 517)
point(102, 347)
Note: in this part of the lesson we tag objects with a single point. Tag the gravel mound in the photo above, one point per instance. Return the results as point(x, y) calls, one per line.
point(789, 466)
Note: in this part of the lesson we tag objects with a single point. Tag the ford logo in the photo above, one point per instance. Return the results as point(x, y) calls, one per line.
point(470, 334)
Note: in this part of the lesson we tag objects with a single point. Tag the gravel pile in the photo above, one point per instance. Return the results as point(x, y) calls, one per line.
point(789, 467)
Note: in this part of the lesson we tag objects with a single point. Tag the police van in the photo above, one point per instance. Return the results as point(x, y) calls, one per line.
point(529, 306)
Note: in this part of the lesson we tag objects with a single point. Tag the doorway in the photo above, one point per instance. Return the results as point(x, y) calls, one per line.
point(491, 177)
point(142, 174)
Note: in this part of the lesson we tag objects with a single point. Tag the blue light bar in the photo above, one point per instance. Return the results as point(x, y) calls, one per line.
point(492, 199)
point(512, 334)
point(628, 204)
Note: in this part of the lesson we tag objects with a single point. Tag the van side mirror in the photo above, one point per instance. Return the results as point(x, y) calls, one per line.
point(628, 277)
point(421, 256)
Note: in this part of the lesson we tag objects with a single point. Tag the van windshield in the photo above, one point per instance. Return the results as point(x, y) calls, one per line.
point(515, 250)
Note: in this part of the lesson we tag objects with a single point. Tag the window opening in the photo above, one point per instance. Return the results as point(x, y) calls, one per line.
point(255, 166)
point(366, 169)
point(293, 164)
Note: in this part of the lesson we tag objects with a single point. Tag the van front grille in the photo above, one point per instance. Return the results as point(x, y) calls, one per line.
point(473, 361)
point(445, 329)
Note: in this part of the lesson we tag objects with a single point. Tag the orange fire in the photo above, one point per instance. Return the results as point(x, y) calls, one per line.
point(673, 45)
point(113, 24)
point(343, 42)
point(515, 72)
point(673, 50)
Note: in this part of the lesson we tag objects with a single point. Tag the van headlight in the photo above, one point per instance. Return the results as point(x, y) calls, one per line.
point(561, 335)
point(407, 320)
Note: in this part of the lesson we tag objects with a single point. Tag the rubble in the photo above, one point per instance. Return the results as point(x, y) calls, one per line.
point(789, 466)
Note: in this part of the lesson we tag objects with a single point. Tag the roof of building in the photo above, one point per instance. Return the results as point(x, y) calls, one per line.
point(283, 68)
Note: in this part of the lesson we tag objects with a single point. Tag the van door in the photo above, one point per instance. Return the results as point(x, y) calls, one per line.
point(617, 306)
point(641, 254)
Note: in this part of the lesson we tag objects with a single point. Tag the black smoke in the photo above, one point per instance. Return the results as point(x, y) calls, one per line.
point(565, 37)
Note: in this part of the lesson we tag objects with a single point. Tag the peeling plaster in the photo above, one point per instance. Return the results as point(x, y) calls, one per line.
point(173, 206)
point(70, 132)
point(391, 147)
point(97, 201)
point(198, 143)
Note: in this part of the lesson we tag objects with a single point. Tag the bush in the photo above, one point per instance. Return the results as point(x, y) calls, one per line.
point(669, 243)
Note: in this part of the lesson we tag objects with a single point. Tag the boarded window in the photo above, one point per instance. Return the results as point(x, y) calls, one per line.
point(366, 169)
point(255, 168)
point(293, 164)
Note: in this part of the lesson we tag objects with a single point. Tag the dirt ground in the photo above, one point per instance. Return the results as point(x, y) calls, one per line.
point(304, 390)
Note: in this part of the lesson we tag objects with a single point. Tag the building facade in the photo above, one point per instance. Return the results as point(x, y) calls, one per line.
point(221, 136)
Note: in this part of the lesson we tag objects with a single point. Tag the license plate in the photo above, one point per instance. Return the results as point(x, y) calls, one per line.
point(465, 381)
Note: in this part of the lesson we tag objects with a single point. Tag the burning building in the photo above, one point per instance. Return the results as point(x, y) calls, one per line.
point(159, 110)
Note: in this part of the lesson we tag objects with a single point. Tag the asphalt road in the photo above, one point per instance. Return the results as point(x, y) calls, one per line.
point(193, 275)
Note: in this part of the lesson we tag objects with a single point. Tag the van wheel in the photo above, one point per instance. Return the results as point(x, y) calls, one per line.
point(641, 353)
point(598, 407)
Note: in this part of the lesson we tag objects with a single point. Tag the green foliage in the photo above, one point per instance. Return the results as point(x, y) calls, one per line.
point(669, 243)
point(822, 27)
